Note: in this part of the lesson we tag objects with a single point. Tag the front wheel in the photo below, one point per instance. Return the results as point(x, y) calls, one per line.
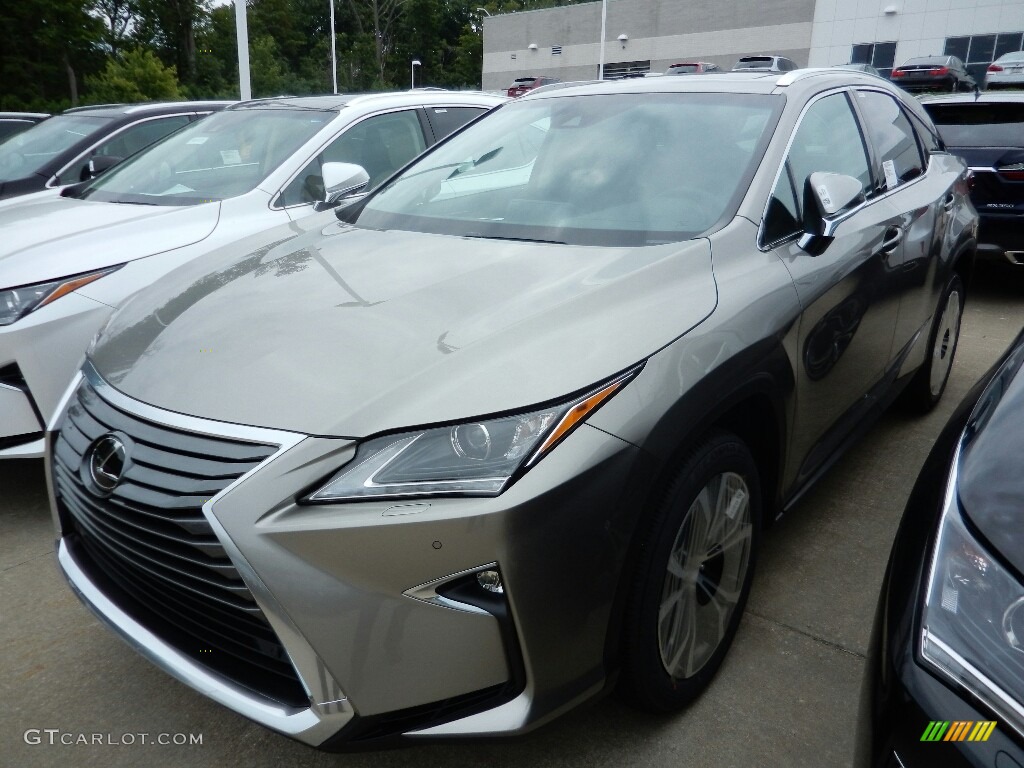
point(926, 388)
point(693, 576)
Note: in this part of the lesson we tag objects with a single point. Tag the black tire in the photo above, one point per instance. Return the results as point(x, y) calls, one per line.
point(925, 390)
point(650, 638)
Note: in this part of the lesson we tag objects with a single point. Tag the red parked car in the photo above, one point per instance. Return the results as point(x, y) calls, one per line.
point(523, 84)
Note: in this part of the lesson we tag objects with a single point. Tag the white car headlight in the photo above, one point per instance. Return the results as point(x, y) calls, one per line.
point(475, 458)
point(973, 619)
point(15, 303)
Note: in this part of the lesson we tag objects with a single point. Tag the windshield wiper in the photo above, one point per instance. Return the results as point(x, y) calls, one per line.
point(479, 236)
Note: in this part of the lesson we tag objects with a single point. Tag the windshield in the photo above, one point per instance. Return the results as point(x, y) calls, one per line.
point(221, 156)
point(683, 69)
point(27, 152)
point(636, 169)
point(762, 63)
point(979, 124)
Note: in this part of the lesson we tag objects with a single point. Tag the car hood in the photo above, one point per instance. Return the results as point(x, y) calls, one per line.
point(47, 238)
point(990, 484)
point(332, 330)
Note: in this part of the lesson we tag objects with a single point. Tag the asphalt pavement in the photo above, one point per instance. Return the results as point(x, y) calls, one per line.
point(72, 694)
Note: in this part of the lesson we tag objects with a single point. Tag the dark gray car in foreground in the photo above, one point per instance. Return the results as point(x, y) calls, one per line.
point(507, 431)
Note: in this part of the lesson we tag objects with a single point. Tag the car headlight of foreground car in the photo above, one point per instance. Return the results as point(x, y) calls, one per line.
point(478, 458)
point(15, 303)
point(973, 619)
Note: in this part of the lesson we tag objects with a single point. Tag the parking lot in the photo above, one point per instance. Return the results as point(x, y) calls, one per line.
point(786, 695)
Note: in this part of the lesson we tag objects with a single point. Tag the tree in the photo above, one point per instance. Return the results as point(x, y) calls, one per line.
point(45, 46)
point(169, 27)
point(117, 17)
point(376, 20)
point(138, 76)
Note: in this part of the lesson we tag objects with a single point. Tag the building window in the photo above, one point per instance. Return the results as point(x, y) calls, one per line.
point(626, 69)
point(978, 51)
point(881, 56)
point(556, 50)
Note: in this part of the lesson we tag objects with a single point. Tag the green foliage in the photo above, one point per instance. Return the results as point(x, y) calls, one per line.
point(45, 48)
point(48, 48)
point(139, 76)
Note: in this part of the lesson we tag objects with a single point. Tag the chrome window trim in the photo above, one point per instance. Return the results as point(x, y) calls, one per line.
point(843, 215)
point(51, 183)
point(329, 708)
point(334, 137)
point(275, 195)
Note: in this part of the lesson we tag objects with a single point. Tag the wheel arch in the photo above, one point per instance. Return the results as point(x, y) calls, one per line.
point(754, 410)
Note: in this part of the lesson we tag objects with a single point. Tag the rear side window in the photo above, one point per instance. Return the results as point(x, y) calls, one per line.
point(446, 120)
point(889, 130)
point(979, 124)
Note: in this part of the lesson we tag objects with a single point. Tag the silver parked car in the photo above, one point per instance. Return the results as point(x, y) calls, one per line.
point(1006, 72)
point(508, 430)
point(66, 261)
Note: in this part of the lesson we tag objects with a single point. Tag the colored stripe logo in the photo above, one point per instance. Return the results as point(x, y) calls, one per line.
point(958, 730)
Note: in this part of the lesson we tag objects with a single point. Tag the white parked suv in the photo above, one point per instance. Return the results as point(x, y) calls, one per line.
point(65, 262)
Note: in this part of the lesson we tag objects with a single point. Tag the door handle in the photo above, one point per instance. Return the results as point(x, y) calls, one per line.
point(893, 236)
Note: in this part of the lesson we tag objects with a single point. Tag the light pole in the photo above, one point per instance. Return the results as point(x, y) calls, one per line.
point(242, 34)
point(412, 79)
point(604, 21)
point(484, 10)
point(334, 54)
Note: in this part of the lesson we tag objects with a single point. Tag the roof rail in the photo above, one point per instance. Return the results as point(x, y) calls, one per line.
point(800, 74)
point(90, 106)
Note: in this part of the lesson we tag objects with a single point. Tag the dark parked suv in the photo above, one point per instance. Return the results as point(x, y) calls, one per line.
point(933, 73)
point(82, 142)
point(16, 122)
point(987, 130)
point(509, 428)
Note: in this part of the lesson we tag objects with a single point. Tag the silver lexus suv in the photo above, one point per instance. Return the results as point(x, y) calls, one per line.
point(508, 429)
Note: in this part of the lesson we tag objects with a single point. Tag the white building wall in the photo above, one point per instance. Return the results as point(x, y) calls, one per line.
point(920, 27)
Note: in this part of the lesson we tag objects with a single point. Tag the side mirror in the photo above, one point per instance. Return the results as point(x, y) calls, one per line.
point(825, 195)
point(98, 164)
point(342, 180)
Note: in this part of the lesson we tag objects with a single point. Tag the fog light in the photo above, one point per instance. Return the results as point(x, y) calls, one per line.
point(491, 581)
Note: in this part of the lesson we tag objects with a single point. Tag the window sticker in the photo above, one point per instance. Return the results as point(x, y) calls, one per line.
point(198, 140)
point(232, 157)
point(891, 179)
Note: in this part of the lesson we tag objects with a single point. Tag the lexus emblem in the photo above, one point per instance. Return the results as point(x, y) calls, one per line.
point(106, 462)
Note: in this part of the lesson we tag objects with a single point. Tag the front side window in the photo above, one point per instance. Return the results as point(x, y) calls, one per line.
point(27, 152)
point(126, 143)
point(826, 140)
point(380, 144)
point(893, 138)
point(221, 156)
point(615, 169)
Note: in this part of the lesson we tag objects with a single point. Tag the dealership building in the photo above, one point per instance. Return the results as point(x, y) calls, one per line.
point(650, 35)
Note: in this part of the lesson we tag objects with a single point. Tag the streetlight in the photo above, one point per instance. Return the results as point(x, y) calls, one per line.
point(484, 10)
point(604, 22)
point(412, 79)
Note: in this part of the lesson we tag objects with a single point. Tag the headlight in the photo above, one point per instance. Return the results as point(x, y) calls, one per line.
point(15, 303)
point(476, 458)
point(973, 621)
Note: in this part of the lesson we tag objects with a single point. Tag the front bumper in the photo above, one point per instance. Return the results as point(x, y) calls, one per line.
point(39, 355)
point(347, 588)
